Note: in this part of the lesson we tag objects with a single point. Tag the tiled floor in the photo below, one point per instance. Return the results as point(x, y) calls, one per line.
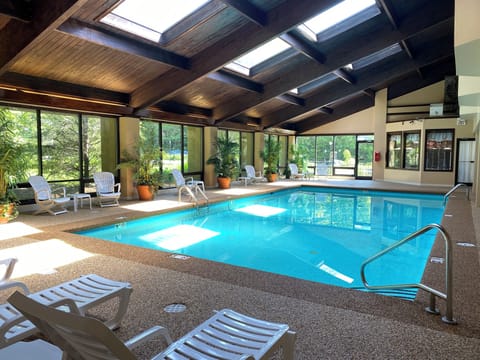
point(331, 322)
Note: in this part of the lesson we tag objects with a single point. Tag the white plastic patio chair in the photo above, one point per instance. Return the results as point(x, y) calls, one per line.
point(251, 175)
point(48, 200)
point(226, 335)
point(108, 192)
point(28, 350)
point(294, 174)
point(7, 265)
point(189, 181)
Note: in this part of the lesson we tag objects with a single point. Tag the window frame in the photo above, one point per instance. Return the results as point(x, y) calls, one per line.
point(451, 131)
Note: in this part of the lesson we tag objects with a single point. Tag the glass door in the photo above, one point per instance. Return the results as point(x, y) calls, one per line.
point(364, 165)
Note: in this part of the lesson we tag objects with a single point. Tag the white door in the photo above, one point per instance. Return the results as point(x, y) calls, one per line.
point(466, 161)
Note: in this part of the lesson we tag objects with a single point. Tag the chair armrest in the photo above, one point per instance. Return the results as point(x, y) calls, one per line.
point(189, 180)
point(147, 335)
point(69, 303)
point(60, 191)
point(118, 186)
point(9, 265)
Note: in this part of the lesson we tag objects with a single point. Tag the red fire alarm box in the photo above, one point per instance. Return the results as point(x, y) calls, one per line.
point(377, 156)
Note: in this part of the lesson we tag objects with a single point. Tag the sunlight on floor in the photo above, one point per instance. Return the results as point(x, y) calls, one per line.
point(155, 205)
point(43, 257)
point(17, 229)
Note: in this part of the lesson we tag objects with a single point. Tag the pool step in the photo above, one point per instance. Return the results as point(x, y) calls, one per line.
point(405, 294)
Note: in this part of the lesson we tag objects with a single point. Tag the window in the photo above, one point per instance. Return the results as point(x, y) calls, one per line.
point(394, 150)
point(412, 150)
point(150, 19)
point(439, 150)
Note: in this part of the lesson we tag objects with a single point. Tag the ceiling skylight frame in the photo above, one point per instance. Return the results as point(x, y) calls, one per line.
point(189, 21)
point(377, 56)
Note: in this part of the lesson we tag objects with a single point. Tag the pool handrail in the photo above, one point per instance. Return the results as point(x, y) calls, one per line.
point(447, 195)
point(448, 318)
point(189, 191)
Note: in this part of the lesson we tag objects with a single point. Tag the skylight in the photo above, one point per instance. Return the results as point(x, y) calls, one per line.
point(333, 16)
point(150, 18)
point(245, 63)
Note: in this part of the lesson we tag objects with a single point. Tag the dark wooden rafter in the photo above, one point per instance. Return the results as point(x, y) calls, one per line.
point(283, 17)
point(249, 10)
point(114, 41)
point(46, 17)
point(236, 80)
point(369, 92)
point(56, 88)
point(366, 81)
point(292, 99)
point(325, 110)
point(360, 48)
point(183, 109)
point(17, 9)
point(297, 40)
point(154, 113)
point(345, 76)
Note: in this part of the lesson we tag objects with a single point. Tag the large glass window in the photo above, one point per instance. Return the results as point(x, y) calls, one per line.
point(439, 150)
point(172, 147)
point(246, 149)
point(394, 150)
point(344, 155)
point(412, 150)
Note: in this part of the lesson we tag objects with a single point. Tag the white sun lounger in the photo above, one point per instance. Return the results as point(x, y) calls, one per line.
point(86, 291)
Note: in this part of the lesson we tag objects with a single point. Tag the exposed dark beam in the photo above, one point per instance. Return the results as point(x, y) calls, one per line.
point(365, 81)
point(153, 113)
point(407, 50)
point(345, 76)
point(56, 102)
point(325, 110)
point(359, 46)
point(388, 10)
point(249, 10)
point(345, 109)
point(47, 86)
point(17, 9)
point(103, 37)
point(302, 44)
point(285, 16)
point(292, 99)
point(17, 38)
point(184, 109)
point(236, 80)
point(369, 92)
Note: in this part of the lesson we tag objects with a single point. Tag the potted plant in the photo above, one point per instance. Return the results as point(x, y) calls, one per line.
point(145, 163)
point(225, 161)
point(270, 156)
point(12, 167)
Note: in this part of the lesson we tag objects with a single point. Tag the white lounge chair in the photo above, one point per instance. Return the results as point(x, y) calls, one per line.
point(294, 174)
point(28, 350)
point(226, 335)
point(48, 200)
point(6, 281)
point(189, 181)
point(108, 192)
point(86, 292)
point(251, 175)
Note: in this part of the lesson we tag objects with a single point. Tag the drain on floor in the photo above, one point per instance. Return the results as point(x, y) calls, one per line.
point(175, 308)
point(465, 244)
point(180, 257)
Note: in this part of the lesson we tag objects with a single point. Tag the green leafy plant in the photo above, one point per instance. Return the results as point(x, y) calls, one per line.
point(224, 159)
point(271, 155)
point(145, 162)
point(297, 156)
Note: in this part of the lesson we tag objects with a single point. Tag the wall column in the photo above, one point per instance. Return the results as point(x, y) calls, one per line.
point(210, 138)
point(129, 129)
point(380, 137)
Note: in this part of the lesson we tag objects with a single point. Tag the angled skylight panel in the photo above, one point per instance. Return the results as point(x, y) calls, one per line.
point(245, 63)
point(329, 19)
point(322, 80)
point(150, 18)
point(376, 56)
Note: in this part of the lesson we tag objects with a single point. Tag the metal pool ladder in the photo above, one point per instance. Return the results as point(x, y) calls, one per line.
point(447, 195)
point(448, 318)
point(188, 190)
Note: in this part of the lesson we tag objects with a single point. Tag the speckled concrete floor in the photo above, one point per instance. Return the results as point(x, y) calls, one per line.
point(331, 322)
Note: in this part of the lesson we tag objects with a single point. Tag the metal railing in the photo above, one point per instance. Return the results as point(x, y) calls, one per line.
point(448, 318)
point(188, 190)
point(450, 192)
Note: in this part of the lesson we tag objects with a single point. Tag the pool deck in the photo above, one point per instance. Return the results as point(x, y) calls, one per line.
point(331, 322)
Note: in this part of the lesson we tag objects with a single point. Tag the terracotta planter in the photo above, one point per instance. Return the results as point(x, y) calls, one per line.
point(7, 212)
point(145, 192)
point(223, 182)
point(272, 177)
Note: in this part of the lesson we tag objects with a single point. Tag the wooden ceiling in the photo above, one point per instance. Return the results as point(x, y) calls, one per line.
point(57, 54)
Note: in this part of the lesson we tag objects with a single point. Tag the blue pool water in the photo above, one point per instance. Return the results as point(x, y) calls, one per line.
point(316, 234)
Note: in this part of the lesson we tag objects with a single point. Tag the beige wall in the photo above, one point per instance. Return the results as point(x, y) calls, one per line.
point(358, 123)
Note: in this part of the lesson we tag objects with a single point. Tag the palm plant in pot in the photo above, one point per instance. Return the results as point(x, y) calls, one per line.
point(270, 156)
point(145, 163)
point(225, 161)
point(12, 167)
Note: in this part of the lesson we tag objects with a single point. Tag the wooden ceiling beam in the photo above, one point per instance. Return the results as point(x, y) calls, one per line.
point(345, 76)
point(236, 80)
point(282, 18)
point(184, 109)
point(366, 81)
point(386, 6)
point(52, 87)
point(359, 47)
point(292, 99)
point(249, 10)
point(103, 37)
point(17, 9)
point(296, 39)
point(17, 38)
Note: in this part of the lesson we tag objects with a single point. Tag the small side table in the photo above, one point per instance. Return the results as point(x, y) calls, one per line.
point(80, 196)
